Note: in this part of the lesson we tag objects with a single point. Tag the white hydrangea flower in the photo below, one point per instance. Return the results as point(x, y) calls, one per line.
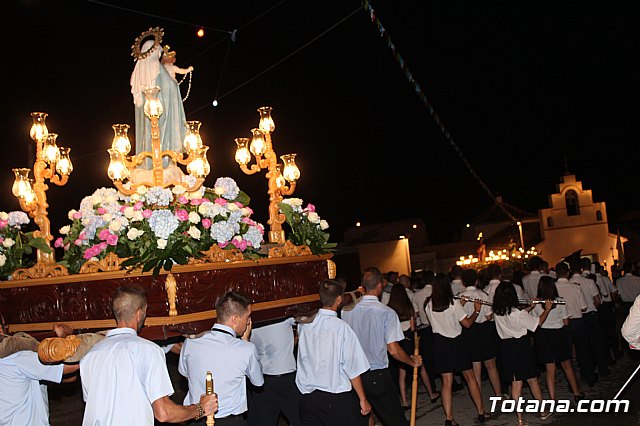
point(162, 243)
point(8, 242)
point(194, 233)
point(65, 229)
point(194, 217)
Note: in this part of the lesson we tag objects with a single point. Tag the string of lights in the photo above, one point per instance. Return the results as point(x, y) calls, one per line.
point(423, 97)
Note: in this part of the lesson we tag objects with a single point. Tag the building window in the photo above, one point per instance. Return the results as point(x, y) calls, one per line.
point(571, 201)
point(598, 215)
point(549, 222)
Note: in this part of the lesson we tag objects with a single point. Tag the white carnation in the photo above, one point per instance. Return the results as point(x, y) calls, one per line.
point(65, 229)
point(324, 224)
point(134, 233)
point(137, 216)
point(107, 217)
point(4, 216)
point(128, 212)
point(8, 242)
point(115, 225)
point(162, 243)
point(313, 217)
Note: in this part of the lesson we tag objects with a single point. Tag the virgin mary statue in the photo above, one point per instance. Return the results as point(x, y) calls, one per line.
point(149, 72)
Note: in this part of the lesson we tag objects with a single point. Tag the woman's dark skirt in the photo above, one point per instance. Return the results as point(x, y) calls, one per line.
point(518, 359)
point(552, 345)
point(480, 341)
point(449, 355)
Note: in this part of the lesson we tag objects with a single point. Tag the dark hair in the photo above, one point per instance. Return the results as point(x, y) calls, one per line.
point(441, 295)
point(399, 301)
point(330, 290)
point(469, 277)
point(505, 298)
point(562, 269)
point(535, 263)
point(547, 289)
point(126, 301)
point(371, 278)
point(456, 271)
point(392, 276)
point(230, 304)
point(494, 271)
point(507, 273)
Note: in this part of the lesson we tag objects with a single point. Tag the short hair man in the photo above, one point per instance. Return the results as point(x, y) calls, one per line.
point(330, 362)
point(378, 329)
point(125, 378)
point(230, 360)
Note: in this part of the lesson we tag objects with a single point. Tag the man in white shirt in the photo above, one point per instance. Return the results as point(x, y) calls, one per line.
point(530, 281)
point(125, 380)
point(457, 286)
point(628, 287)
point(631, 327)
point(230, 360)
point(583, 277)
point(576, 305)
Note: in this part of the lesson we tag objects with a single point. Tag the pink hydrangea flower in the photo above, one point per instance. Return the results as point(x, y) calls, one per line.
point(147, 213)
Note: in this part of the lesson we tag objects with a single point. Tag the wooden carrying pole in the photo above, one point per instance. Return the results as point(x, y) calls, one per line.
point(209, 387)
point(414, 384)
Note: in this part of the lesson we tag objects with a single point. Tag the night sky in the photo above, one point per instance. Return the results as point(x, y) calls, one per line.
point(519, 86)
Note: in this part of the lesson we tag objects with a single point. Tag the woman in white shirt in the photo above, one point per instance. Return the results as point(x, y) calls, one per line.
point(552, 340)
point(512, 324)
point(447, 317)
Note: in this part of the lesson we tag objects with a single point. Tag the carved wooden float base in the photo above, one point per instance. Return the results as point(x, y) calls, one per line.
point(178, 303)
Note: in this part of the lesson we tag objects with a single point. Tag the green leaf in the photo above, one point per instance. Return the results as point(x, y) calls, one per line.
point(40, 244)
point(243, 198)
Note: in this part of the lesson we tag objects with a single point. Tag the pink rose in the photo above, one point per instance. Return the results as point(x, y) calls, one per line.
point(240, 245)
point(122, 208)
point(239, 204)
point(58, 242)
point(248, 221)
point(196, 201)
point(220, 201)
point(182, 199)
point(147, 213)
point(138, 205)
point(3, 223)
point(112, 240)
point(206, 223)
point(102, 246)
point(77, 215)
point(102, 210)
point(223, 245)
point(66, 246)
point(82, 236)
point(182, 215)
point(104, 234)
point(78, 242)
point(311, 208)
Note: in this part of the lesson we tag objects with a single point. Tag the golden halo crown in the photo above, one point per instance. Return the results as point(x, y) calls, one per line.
point(167, 53)
point(136, 48)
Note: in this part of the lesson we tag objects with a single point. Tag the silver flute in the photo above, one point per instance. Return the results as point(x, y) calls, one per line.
point(471, 299)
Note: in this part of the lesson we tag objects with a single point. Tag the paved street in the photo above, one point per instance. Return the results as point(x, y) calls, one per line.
point(66, 404)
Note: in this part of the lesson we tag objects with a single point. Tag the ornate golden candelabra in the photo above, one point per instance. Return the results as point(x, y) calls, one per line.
point(277, 174)
point(53, 164)
point(124, 171)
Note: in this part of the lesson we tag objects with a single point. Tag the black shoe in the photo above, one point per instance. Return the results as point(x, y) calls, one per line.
point(578, 397)
point(483, 417)
point(592, 380)
point(611, 362)
point(456, 387)
point(436, 398)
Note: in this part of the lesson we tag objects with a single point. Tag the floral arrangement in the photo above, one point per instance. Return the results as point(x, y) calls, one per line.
point(306, 226)
point(157, 227)
point(15, 244)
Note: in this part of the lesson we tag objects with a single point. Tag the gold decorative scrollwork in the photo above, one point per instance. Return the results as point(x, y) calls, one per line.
point(111, 262)
point(331, 269)
point(171, 287)
point(289, 250)
point(40, 270)
point(216, 254)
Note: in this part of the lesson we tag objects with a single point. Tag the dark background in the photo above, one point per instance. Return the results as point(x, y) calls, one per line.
point(519, 85)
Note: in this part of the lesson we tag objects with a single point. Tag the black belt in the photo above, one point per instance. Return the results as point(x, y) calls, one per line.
point(589, 313)
point(278, 375)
